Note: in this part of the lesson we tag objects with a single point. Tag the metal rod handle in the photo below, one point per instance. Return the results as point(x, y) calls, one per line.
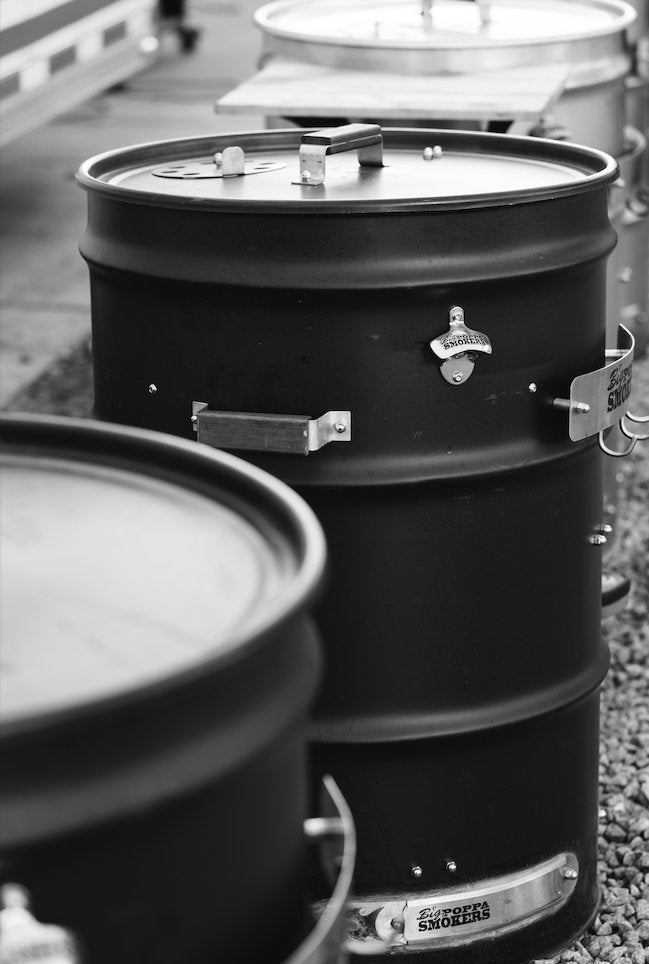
point(336, 834)
point(624, 428)
point(614, 452)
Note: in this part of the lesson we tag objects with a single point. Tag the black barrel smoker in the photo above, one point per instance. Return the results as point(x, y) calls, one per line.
point(158, 661)
point(414, 339)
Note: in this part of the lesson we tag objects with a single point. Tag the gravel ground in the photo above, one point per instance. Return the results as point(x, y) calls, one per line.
point(620, 933)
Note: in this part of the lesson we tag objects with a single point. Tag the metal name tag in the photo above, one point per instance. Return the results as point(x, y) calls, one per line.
point(486, 908)
point(501, 902)
point(598, 399)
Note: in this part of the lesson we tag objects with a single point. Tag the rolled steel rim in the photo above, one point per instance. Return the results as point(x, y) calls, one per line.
point(597, 167)
point(263, 19)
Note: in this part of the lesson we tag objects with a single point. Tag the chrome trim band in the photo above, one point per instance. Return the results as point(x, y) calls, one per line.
point(451, 918)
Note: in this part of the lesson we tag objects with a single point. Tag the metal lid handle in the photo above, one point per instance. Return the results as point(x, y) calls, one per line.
point(367, 139)
point(484, 7)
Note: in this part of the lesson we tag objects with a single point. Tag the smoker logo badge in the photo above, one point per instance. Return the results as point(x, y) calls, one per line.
point(451, 342)
point(619, 387)
point(441, 918)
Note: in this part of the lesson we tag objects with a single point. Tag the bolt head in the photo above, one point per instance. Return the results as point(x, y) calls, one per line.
point(458, 377)
point(218, 158)
point(340, 427)
point(532, 387)
point(437, 151)
point(305, 175)
point(625, 275)
point(428, 154)
point(582, 408)
point(569, 873)
point(598, 539)
point(416, 871)
point(451, 866)
point(152, 389)
point(397, 925)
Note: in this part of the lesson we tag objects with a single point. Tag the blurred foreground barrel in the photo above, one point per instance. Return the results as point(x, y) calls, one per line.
point(405, 319)
point(158, 662)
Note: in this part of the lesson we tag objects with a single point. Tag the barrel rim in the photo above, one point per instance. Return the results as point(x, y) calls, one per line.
point(24, 433)
point(598, 169)
point(262, 19)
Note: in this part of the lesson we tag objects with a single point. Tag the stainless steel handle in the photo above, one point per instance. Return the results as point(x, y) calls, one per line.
point(483, 5)
point(367, 139)
point(260, 432)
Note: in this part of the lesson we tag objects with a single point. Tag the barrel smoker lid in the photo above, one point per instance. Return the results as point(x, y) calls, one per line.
point(422, 169)
point(114, 579)
point(443, 23)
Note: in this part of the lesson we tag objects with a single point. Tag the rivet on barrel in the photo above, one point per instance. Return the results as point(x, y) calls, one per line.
point(416, 871)
point(451, 866)
point(152, 389)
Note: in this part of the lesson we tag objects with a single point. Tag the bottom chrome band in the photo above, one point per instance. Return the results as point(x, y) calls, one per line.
point(448, 918)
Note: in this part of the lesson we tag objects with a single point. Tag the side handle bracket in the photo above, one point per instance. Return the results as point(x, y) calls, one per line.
point(291, 434)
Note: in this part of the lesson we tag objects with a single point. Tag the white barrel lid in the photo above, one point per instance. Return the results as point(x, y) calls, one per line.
point(112, 580)
point(452, 24)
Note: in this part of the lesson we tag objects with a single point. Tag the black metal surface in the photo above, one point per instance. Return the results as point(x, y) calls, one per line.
point(463, 606)
point(167, 825)
point(493, 801)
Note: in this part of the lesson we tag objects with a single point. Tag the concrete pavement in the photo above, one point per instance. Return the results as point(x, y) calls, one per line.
point(44, 292)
